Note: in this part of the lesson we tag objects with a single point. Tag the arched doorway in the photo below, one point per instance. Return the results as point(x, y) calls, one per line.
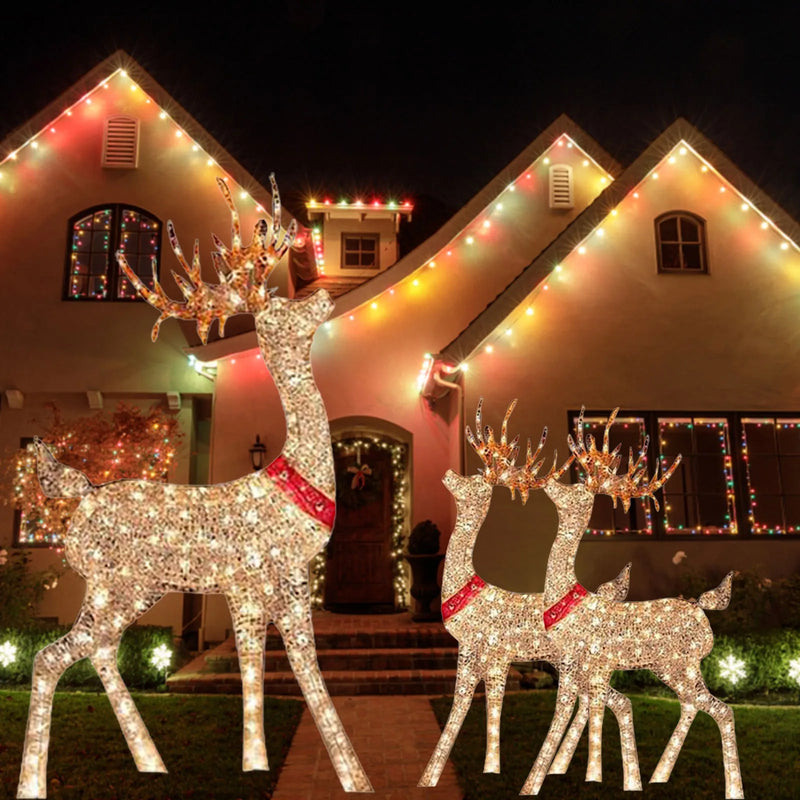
point(363, 570)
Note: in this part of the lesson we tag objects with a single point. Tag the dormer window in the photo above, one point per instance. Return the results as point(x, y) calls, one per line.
point(360, 251)
point(95, 235)
point(681, 243)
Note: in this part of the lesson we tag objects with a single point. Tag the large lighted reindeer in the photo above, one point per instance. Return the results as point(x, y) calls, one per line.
point(250, 539)
point(494, 626)
point(597, 635)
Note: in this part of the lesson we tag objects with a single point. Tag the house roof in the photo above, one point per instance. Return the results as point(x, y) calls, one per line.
point(121, 62)
point(535, 274)
point(424, 252)
point(421, 255)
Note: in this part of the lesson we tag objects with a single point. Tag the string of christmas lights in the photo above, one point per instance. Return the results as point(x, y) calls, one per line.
point(782, 242)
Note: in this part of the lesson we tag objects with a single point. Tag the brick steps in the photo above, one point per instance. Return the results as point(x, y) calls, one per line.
point(339, 682)
point(358, 655)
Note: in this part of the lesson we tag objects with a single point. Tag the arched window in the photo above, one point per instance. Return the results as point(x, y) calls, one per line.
point(94, 236)
point(681, 242)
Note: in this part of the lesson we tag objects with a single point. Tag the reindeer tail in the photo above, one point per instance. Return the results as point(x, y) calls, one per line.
point(618, 588)
point(57, 479)
point(717, 599)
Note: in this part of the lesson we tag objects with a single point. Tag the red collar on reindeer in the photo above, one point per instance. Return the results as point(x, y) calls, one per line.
point(462, 597)
point(305, 496)
point(569, 602)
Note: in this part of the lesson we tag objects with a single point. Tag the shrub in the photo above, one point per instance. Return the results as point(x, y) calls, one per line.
point(424, 538)
point(20, 589)
point(765, 656)
point(135, 652)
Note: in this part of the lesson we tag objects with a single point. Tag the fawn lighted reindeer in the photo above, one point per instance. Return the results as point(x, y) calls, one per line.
point(494, 626)
point(250, 539)
point(597, 635)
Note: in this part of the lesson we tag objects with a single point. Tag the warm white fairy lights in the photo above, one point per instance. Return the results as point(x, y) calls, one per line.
point(596, 635)
point(161, 657)
point(8, 653)
point(732, 669)
point(398, 453)
point(494, 627)
point(250, 540)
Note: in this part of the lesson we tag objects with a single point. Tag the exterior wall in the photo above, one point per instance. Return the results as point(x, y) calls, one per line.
point(367, 366)
point(334, 227)
point(57, 350)
point(610, 331)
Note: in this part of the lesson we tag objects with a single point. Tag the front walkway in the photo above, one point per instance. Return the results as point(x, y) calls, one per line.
point(393, 736)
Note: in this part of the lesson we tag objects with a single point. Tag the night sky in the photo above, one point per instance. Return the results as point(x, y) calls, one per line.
point(430, 100)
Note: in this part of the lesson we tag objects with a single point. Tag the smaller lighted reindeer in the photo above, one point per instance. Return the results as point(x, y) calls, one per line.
point(597, 635)
point(494, 626)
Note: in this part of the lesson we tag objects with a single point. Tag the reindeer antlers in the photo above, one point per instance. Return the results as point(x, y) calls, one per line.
point(601, 467)
point(499, 457)
point(243, 272)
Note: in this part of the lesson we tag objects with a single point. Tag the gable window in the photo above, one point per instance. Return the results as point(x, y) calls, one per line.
point(360, 251)
point(561, 191)
point(680, 243)
point(95, 235)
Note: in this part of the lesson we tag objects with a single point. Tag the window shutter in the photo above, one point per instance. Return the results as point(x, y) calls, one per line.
point(121, 143)
point(561, 195)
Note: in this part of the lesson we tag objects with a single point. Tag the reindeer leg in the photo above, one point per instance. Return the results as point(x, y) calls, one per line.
point(620, 705)
point(466, 679)
point(495, 680)
point(295, 626)
point(697, 697)
point(108, 629)
point(597, 708)
point(48, 666)
point(570, 742)
point(250, 625)
point(565, 700)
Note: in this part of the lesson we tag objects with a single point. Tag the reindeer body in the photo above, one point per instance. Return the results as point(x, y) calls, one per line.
point(250, 539)
point(495, 627)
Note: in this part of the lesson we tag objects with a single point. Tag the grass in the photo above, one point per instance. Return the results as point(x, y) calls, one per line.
point(768, 748)
point(199, 738)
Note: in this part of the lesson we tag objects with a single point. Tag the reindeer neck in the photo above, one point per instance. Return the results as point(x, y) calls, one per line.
point(458, 566)
point(308, 436)
point(574, 506)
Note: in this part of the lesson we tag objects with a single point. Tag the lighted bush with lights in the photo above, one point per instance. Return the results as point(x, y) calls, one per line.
point(135, 657)
point(740, 665)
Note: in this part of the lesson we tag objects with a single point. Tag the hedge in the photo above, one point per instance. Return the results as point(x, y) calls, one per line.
point(135, 653)
point(766, 657)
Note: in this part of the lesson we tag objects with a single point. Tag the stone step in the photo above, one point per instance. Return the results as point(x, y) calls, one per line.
point(339, 682)
point(420, 636)
point(373, 659)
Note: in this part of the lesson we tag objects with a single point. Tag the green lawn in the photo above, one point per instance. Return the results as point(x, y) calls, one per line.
point(199, 738)
point(769, 749)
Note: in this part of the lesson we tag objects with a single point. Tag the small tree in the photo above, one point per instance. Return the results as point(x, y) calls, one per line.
point(129, 444)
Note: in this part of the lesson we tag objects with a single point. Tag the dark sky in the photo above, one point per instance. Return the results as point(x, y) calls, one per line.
point(432, 99)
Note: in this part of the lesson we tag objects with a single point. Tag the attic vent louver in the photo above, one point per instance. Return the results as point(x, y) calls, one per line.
point(121, 143)
point(561, 195)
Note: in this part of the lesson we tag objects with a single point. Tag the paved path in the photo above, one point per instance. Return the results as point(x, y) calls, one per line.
point(394, 737)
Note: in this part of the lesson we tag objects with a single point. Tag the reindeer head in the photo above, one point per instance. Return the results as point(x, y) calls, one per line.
point(600, 467)
point(499, 458)
point(243, 272)
point(472, 488)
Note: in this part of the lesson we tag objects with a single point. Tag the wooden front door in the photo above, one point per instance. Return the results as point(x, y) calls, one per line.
point(359, 567)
